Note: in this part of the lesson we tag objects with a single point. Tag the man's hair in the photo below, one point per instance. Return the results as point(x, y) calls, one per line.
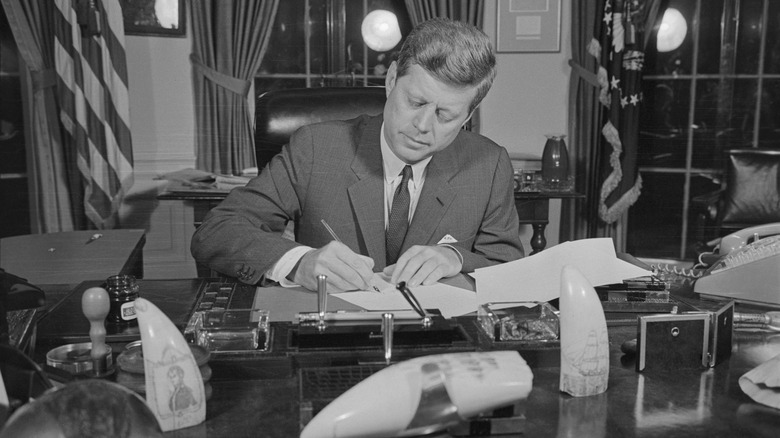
point(453, 52)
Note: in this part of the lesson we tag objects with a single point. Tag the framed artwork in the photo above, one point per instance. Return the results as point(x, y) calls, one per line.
point(154, 17)
point(528, 26)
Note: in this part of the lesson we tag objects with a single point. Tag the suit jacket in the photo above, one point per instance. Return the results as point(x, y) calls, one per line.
point(333, 171)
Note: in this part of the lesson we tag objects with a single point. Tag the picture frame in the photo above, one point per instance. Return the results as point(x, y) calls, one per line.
point(528, 26)
point(154, 17)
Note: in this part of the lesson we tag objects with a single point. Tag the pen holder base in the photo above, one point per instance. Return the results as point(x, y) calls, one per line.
point(367, 334)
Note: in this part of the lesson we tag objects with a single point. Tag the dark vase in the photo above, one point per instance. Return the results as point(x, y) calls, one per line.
point(555, 163)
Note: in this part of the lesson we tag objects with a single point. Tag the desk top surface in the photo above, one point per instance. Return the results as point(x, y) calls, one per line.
point(70, 257)
point(684, 403)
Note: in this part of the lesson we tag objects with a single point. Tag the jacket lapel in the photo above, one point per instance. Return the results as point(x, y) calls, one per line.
point(435, 199)
point(367, 194)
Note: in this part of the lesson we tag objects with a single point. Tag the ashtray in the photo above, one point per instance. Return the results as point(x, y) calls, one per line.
point(75, 358)
point(530, 321)
point(233, 330)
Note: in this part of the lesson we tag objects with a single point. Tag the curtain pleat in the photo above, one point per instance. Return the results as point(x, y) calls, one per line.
point(229, 41)
point(50, 204)
point(469, 11)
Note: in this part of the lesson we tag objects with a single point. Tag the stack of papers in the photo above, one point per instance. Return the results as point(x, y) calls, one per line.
point(450, 300)
point(533, 278)
point(538, 277)
point(199, 179)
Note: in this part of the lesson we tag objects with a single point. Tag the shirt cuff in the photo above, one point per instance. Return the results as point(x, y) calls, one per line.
point(460, 256)
point(282, 268)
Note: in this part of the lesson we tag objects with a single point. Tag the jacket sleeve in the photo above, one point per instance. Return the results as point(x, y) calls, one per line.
point(498, 239)
point(243, 236)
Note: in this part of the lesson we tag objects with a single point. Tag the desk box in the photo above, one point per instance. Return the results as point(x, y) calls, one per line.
point(685, 340)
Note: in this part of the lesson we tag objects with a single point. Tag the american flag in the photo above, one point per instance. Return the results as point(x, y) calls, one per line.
point(93, 100)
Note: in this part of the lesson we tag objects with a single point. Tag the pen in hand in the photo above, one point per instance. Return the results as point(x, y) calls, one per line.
point(336, 238)
point(330, 231)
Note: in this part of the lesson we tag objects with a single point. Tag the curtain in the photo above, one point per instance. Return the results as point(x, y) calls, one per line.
point(470, 11)
point(32, 26)
point(229, 41)
point(606, 122)
point(94, 107)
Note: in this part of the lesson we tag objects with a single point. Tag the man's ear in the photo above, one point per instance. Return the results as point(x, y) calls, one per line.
point(467, 118)
point(390, 78)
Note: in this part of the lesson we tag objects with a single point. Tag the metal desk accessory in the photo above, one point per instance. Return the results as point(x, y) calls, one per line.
point(364, 329)
point(225, 323)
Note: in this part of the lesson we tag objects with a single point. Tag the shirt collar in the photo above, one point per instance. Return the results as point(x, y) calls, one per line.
point(393, 165)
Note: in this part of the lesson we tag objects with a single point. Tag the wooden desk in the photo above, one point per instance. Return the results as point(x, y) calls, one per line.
point(678, 403)
point(72, 257)
point(533, 208)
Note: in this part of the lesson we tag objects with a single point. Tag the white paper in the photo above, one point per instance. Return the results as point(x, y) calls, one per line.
point(450, 300)
point(538, 277)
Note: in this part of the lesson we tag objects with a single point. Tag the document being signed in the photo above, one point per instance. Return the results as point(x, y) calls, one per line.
point(450, 300)
point(538, 277)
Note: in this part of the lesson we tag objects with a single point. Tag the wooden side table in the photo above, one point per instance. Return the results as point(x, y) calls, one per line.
point(533, 208)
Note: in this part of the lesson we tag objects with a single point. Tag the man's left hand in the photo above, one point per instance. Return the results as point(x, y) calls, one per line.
point(424, 265)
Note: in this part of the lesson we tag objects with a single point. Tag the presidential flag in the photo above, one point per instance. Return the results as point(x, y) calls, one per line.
point(620, 52)
point(93, 102)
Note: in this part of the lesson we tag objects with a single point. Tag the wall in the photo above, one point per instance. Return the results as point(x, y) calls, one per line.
point(163, 124)
point(528, 100)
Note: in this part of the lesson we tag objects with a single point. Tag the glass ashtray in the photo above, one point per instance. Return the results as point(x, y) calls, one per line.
point(233, 330)
point(529, 321)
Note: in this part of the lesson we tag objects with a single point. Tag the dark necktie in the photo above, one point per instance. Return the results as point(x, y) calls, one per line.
point(399, 218)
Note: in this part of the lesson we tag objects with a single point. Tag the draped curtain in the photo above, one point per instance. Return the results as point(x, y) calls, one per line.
point(229, 41)
point(32, 26)
point(608, 42)
point(82, 151)
point(470, 11)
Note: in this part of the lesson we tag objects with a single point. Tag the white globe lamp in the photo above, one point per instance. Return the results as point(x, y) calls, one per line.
point(380, 30)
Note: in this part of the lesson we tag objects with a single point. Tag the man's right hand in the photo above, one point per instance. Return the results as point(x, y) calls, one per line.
point(345, 269)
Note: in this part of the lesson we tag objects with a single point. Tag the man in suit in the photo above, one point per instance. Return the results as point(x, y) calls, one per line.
point(408, 192)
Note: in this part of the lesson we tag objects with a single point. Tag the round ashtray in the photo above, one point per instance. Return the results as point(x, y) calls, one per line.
point(74, 358)
point(131, 360)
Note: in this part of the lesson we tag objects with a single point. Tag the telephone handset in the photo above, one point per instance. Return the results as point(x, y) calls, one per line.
point(749, 267)
point(741, 238)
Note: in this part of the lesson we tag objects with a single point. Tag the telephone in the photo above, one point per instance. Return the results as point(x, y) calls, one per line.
point(748, 269)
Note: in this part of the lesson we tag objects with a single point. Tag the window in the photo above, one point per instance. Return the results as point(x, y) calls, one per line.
point(317, 43)
point(720, 89)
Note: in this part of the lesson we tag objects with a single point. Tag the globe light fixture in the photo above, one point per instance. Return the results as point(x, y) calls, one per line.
point(167, 13)
point(672, 31)
point(380, 30)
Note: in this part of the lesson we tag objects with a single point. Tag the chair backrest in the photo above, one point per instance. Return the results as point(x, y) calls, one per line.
point(752, 192)
point(279, 113)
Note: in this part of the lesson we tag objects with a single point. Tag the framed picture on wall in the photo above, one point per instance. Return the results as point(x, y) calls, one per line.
point(528, 26)
point(154, 17)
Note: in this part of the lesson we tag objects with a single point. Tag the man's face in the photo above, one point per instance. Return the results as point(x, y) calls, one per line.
point(422, 114)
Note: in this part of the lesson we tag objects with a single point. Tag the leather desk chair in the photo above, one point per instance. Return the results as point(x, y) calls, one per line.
point(282, 112)
point(749, 195)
